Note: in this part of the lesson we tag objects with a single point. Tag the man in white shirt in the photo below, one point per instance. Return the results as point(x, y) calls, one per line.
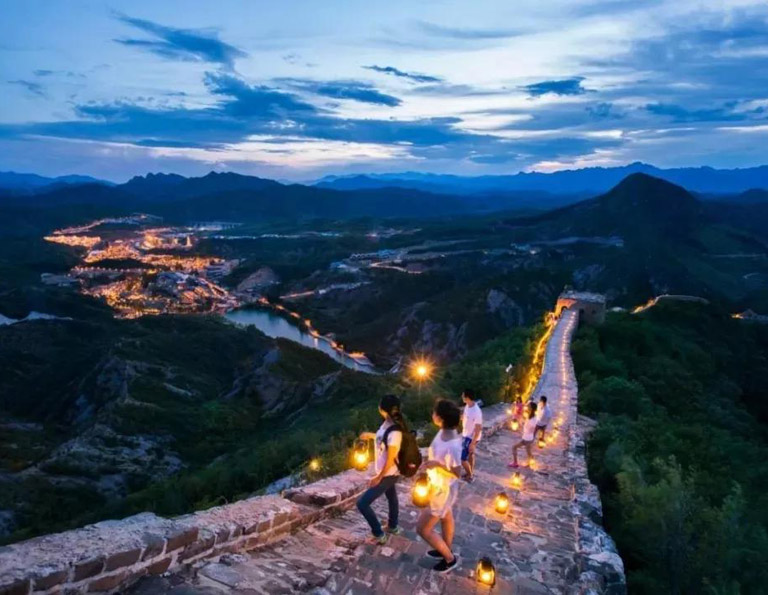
point(471, 432)
point(543, 416)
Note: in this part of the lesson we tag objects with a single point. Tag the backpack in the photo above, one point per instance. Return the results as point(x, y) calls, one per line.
point(408, 459)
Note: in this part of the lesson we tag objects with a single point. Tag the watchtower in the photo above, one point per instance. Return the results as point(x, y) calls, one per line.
point(591, 306)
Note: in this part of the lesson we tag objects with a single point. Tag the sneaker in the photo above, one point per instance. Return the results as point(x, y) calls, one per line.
point(394, 530)
point(380, 540)
point(435, 554)
point(444, 566)
point(513, 465)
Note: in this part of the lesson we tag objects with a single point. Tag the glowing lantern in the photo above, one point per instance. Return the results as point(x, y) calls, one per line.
point(486, 572)
point(360, 456)
point(421, 489)
point(515, 425)
point(541, 443)
point(517, 480)
point(533, 465)
point(501, 503)
point(314, 465)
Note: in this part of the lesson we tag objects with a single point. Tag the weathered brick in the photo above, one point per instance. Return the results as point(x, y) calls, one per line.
point(19, 587)
point(203, 544)
point(88, 569)
point(280, 518)
point(160, 566)
point(222, 535)
point(155, 545)
point(51, 579)
point(181, 537)
point(107, 583)
point(121, 559)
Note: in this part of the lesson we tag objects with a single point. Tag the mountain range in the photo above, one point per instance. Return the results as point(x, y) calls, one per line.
point(590, 180)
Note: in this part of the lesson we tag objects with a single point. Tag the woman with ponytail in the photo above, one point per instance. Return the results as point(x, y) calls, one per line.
point(389, 438)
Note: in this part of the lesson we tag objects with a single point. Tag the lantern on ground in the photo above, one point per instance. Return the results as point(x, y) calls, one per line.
point(486, 572)
point(314, 465)
point(501, 503)
point(515, 425)
point(360, 456)
point(533, 465)
point(517, 480)
point(421, 489)
point(541, 443)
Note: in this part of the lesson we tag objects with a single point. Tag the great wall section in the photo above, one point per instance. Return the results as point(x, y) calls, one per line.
point(311, 540)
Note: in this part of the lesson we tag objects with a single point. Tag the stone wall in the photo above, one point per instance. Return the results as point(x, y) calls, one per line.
point(108, 556)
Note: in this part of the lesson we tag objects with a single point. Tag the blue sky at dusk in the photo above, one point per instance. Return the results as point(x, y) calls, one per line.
point(297, 89)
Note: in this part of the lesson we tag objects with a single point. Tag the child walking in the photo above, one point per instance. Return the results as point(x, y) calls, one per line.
point(388, 439)
point(471, 432)
point(443, 468)
point(529, 431)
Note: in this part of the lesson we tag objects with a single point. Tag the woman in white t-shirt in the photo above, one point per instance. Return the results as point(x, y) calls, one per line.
point(529, 433)
point(388, 439)
point(443, 468)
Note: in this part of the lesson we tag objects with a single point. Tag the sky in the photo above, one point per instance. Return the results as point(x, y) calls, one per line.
point(299, 89)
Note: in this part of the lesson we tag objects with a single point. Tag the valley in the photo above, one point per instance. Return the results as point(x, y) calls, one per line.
point(185, 354)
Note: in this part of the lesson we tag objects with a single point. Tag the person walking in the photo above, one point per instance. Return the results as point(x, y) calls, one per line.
point(443, 468)
point(388, 440)
point(543, 417)
point(471, 432)
point(529, 433)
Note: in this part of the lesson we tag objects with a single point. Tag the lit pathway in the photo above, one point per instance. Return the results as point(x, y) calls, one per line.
point(534, 546)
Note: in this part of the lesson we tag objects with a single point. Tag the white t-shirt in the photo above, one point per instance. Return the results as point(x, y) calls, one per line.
point(395, 439)
point(447, 453)
point(472, 416)
point(529, 429)
point(543, 414)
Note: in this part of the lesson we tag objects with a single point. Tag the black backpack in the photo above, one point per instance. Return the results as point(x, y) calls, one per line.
point(408, 459)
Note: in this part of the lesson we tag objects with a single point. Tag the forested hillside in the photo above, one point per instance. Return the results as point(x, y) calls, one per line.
point(680, 449)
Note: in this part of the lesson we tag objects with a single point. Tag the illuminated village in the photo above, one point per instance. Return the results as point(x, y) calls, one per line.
point(139, 268)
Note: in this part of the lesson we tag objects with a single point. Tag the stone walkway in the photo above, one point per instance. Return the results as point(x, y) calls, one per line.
point(535, 546)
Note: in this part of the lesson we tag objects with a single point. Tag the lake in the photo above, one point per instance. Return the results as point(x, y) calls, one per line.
point(276, 326)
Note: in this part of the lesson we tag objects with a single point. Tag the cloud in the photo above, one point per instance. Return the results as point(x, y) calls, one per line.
point(570, 86)
point(181, 44)
point(258, 101)
point(353, 90)
point(42, 72)
point(31, 86)
point(681, 114)
point(465, 33)
point(413, 76)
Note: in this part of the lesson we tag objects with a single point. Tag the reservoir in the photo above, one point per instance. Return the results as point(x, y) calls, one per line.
point(276, 326)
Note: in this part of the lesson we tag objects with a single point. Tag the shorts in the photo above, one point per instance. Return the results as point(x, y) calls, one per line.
point(442, 500)
point(465, 442)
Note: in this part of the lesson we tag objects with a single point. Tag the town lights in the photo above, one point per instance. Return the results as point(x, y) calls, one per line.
point(501, 503)
point(314, 464)
point(517, 480)
point(421, 489)
point(360, 455)
point(486, 572)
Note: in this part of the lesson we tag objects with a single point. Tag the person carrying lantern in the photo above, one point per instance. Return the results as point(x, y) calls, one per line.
point(389, 439)
point(443, 468)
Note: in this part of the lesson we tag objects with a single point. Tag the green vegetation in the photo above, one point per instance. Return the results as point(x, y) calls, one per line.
point(679, 452)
